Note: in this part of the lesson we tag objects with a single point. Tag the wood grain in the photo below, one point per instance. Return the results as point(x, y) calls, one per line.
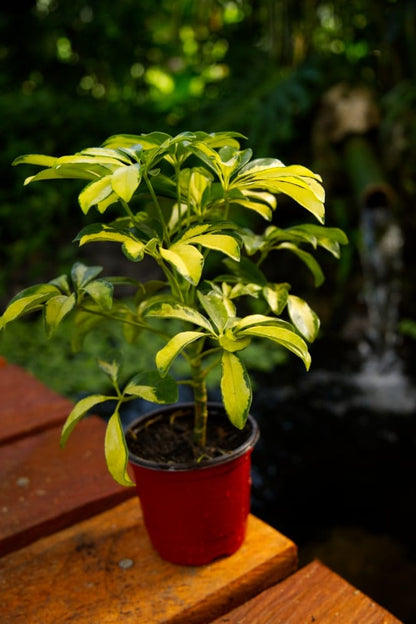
point(313, 594)
point(27, 405)
point(105, 571)
point(44, 488)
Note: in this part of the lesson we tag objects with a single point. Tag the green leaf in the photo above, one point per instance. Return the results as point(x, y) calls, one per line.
point(186, 259)
point(28, 300)
point(116, 452)
point(303, 317)
point(95, 192)
point(81, 274)
point(62, 283)
point(79, 410)
point(101, 292)
point(56, 309)
point(125, 181)
point(149, 385)
point(235, 388)
point(285, 337)
point(179, 311)
point(166, 355)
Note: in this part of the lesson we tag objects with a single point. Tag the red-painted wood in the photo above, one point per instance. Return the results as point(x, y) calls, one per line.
point(27, 405)
point(44, 488)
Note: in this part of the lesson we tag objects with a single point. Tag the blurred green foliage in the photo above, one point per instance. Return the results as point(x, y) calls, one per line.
point(71, 374)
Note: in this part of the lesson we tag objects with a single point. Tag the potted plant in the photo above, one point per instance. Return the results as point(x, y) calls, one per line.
point(183, 201)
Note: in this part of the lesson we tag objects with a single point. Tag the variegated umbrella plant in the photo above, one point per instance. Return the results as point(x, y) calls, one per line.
point(176, 199)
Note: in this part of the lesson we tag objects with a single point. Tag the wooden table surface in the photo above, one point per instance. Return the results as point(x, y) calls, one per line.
point(74, 548)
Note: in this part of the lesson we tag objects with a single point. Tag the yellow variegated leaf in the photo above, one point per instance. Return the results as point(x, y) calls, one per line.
point(193, 231)
point(79, 410)
point(105, 203)
point(27, 300)
point(133, 249)
point(221, 242)
point(94, 193)
point(149, 385)
point(284, 337)
point(262, 196)
point(179, 311)
point(186, 259)
point(125, 181)
point(276, 296)
point(260, 319)
point(262, 209)
point(80, 159)
point(303, 317)
point(116, 453)
point(304, 196)
point(230, 342)
point(235, 389)
point(171, 350)
point(35, 159)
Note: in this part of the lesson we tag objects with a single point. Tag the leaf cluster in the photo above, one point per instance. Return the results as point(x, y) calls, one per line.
point(177, 200)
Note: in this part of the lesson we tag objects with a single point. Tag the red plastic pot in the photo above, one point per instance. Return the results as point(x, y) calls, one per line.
point(196, 514)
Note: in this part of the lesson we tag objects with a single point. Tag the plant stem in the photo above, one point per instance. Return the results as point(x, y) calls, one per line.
point(128, 210)
point(126, 321)
point(200, 400)
point(158, 208)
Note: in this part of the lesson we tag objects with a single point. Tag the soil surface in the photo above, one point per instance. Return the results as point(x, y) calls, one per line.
point(168, 438)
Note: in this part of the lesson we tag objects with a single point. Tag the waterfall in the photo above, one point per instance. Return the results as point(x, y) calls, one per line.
point(381, 259)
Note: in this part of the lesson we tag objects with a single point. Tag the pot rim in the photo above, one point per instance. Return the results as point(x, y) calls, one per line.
point(191, 466)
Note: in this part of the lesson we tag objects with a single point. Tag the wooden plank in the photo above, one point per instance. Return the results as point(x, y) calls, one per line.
point(313, 594)
point(105, 570)
point(27, 405)
point(44, 488)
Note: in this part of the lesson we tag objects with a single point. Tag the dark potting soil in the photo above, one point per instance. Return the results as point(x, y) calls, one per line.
point(168, 438)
